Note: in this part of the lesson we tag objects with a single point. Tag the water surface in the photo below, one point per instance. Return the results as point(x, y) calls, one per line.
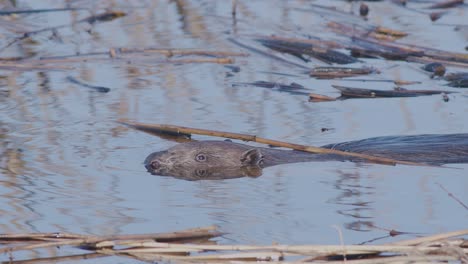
point(68, 166)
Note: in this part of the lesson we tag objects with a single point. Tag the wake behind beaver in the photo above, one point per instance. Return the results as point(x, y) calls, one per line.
point(225, 159)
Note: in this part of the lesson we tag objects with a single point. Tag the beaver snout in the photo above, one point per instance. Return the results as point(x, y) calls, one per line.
point(153, 165)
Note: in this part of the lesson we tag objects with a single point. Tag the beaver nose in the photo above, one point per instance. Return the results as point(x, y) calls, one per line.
point(155, 164)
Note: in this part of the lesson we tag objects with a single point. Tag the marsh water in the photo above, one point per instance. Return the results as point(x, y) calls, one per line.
point(67, 165)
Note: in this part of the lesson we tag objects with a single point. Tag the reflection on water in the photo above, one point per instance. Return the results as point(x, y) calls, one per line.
point(356, 198)
point(66, 165)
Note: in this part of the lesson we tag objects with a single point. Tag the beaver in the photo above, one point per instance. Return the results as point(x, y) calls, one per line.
point(226, 159)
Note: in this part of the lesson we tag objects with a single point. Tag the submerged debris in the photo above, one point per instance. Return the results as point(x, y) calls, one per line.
point(291, 88)
point(363, 9)
point(437, 68)
point(107, 16)
point(458, 79)
point(445, 97)
point(364, 47)
point(350, 92)
point(434, 16)
point(303, 49)
point(459, 83)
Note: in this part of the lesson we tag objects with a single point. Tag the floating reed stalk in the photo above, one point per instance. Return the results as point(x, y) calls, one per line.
point(172, 129)
point(145, 248)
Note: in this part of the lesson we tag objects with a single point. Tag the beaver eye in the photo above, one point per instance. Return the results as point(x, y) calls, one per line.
point(200, 157)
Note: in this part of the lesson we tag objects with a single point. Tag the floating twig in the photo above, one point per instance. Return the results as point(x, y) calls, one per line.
point(430, 239)
point(30, 65)
point(350, 92)
point(41, 64)
point(65, 239)
point(457, 79)
point(201, 60)
point(300, 49)
point(166, 52)
point(33, 11)
point(100, 89)
point(375, 32)
point(320, 98)
point(246, 137)
point(340, 72)
point(447, 4)
point(452, 196)
point(58, 259)
point(293, 88)
point(427, 59)
point(169, 135)
point(266, 54)
point(437, 69)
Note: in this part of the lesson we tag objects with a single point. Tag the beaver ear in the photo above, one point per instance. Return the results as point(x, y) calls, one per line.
point(252, 157)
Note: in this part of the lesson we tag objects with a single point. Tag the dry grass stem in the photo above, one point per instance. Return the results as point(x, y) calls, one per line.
point(146, 248)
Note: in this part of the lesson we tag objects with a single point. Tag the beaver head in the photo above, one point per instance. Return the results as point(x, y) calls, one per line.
point(206, 159)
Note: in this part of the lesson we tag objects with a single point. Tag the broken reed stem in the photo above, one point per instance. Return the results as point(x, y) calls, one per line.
point(58, 259)
point(173, 129)
point(30, 65)
point(266, 54)
point(76, 240)
point(214, 60)
point(184, 52)
point(397, 259)
point(428, 239)
point(320, 98)
point(291, 250)
point(150, 250)
point(453, 196)
point(167, 52)
point(447, 62)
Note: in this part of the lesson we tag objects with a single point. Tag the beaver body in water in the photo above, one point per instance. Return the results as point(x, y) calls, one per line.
point(225, 159)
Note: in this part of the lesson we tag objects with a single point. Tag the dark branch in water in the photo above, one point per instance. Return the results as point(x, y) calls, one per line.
point(265, 53)
point(300, 49)
point(350, 92)
point(100, 89)
point(292, 88)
